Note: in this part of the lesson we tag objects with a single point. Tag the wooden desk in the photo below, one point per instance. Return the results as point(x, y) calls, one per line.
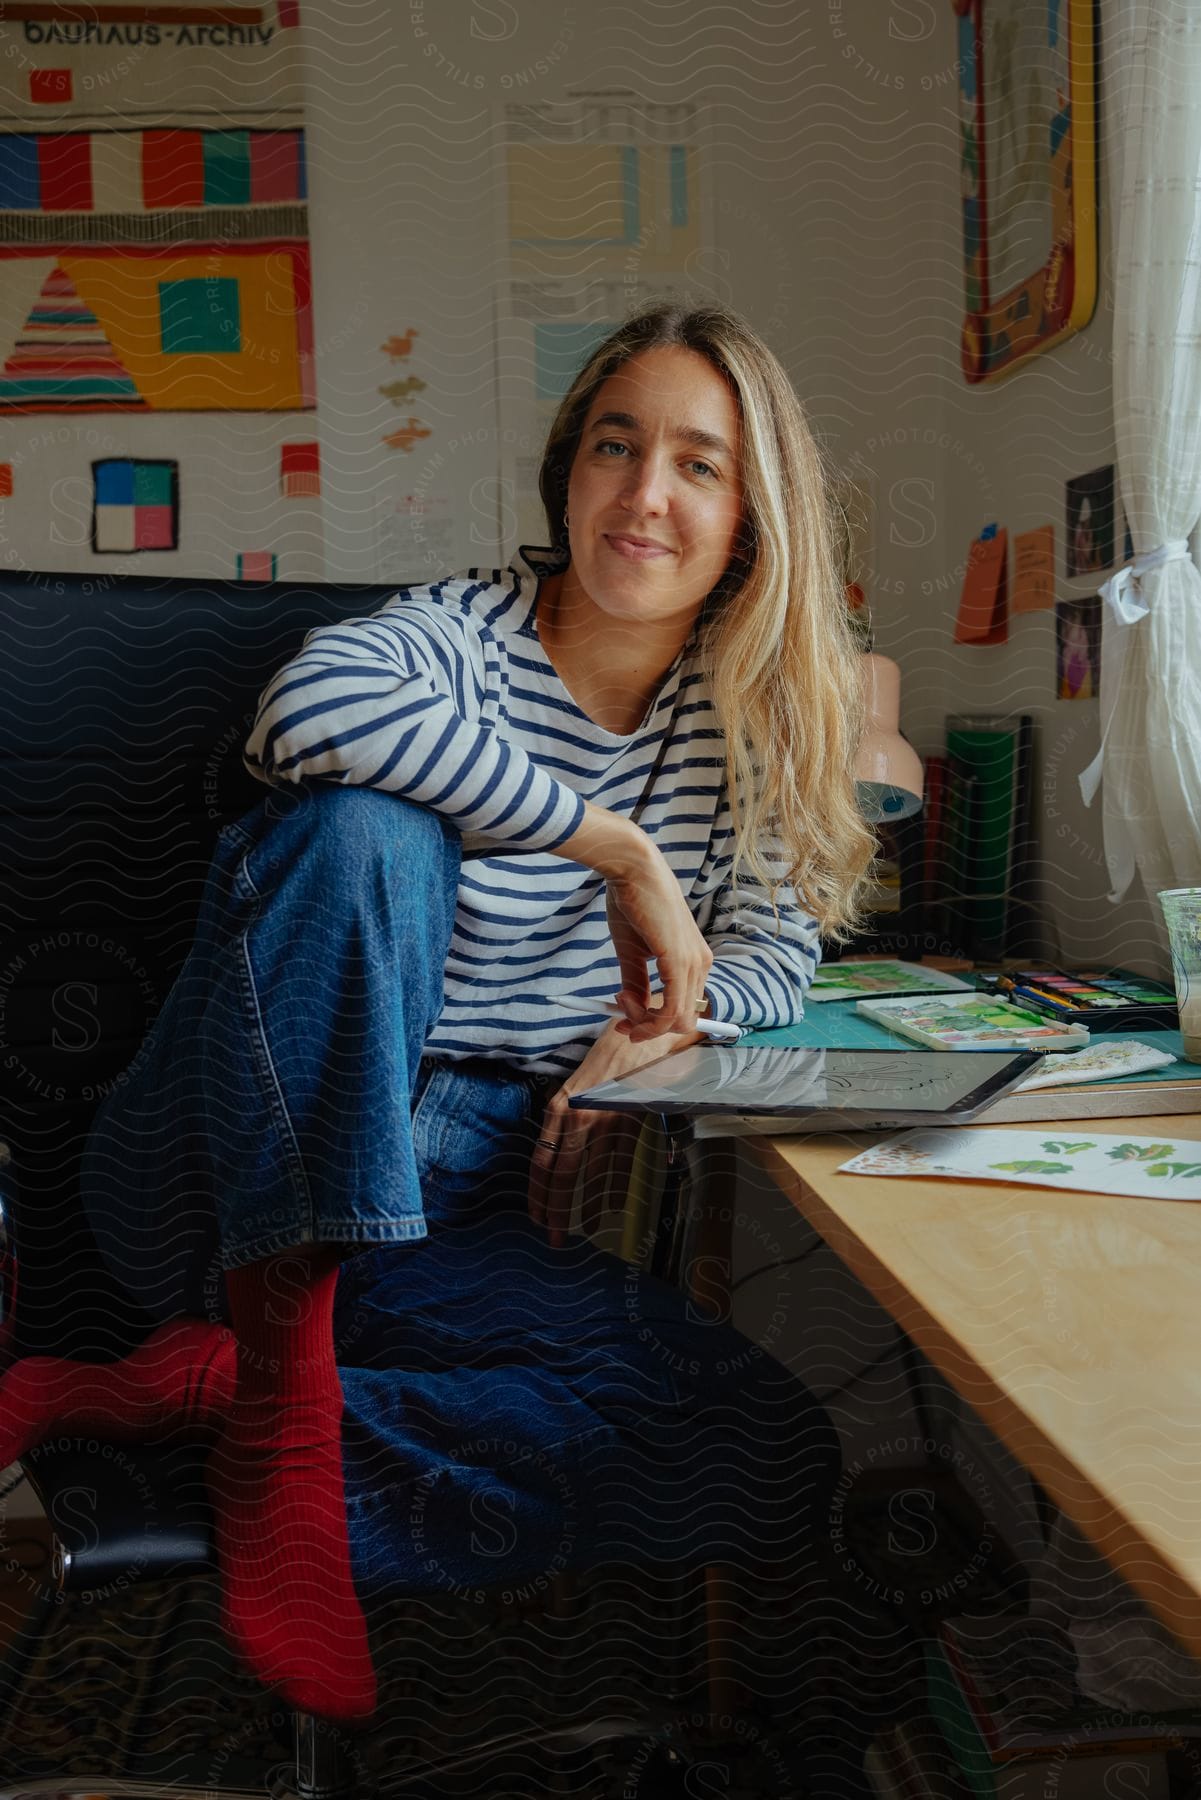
point(1070, 1322)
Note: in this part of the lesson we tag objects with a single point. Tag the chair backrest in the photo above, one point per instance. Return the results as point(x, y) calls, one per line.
point(124, 707)
point(8, 1257)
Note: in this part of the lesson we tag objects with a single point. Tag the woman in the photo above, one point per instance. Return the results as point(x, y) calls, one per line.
point(505, 791)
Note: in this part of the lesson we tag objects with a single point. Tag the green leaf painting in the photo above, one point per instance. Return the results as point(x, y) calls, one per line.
point(1106, 1164)
point(1147, 1153)
point(1034, 1168)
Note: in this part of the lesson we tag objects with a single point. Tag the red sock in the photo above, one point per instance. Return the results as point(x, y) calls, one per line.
point(276, 1483)
point(183, 1375)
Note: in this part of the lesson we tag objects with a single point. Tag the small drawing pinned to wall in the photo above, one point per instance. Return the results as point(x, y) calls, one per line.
point(1078, 649)
point(983, 616)
point(402, 392)
point(1034, 570)
point(1088, 546)
point(414, 536)
point(6, 481)
point(408, 434)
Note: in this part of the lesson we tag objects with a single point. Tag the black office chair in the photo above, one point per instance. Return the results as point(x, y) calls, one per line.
point(114, 1520)
point(122, 716)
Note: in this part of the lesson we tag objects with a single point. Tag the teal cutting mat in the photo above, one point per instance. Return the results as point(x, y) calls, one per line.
point(835, 1025)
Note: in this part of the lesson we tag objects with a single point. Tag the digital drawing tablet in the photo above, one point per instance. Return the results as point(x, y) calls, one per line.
point(768, 1087)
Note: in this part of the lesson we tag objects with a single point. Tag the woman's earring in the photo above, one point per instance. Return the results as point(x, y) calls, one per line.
point(566, 526)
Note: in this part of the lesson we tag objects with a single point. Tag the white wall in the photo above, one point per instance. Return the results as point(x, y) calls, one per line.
point(874, 349)
point(404, 232)
point(865, 214)
point(836, 205)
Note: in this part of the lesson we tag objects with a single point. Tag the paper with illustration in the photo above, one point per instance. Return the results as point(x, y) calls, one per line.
point(1100, 1062)
point(855, 980)
point(1089, 1162)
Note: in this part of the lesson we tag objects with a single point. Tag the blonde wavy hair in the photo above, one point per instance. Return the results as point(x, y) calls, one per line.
point(774, 637)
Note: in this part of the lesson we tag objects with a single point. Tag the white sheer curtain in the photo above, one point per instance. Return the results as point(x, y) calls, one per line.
point(1151, 658)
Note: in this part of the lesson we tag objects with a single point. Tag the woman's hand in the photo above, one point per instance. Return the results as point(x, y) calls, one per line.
point(605, 1141)
point(648, 918)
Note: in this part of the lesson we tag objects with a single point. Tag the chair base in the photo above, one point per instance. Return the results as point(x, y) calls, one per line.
point(325, 1769)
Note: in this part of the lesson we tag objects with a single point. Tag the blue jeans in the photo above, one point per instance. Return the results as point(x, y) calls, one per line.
point(281, 1097)
point(510, 1409)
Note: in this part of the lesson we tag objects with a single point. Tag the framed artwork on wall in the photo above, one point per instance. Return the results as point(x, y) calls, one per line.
point(1028, 170)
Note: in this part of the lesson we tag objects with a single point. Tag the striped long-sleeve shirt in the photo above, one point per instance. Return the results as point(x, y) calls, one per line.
point(446, 697)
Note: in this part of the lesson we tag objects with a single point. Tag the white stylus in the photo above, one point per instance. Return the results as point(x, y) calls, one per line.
point(715, 1029)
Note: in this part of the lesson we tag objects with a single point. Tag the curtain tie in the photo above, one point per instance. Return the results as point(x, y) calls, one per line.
point(1123, 592)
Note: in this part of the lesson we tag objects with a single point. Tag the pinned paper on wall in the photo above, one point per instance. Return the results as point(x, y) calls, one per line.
point(984, 601)
point(1034, 570)
point(1078, 649)
point(414, 537)
point(6, 481)
point(608, 204)
point(1089, 505)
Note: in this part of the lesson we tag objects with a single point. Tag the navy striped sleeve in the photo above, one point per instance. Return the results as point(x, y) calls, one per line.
point(387, 702)
point(760, 977)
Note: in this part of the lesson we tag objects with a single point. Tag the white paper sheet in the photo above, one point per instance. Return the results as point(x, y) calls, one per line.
point(1089, 1162)
point(1100, 1062)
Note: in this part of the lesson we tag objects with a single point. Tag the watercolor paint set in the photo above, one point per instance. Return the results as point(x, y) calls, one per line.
point(1098, 999)
point(973, 1022)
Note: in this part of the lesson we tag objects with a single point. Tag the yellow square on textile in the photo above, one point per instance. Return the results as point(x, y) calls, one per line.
point(262, 376)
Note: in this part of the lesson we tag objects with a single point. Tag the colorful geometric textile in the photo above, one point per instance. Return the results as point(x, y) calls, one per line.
point(299, 470)
point(64, 356)
point(135, 505)
point(256, 565)
point(52, 171)
point(154, 258)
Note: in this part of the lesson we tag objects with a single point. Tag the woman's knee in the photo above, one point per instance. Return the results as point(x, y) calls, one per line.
point(354, 829)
